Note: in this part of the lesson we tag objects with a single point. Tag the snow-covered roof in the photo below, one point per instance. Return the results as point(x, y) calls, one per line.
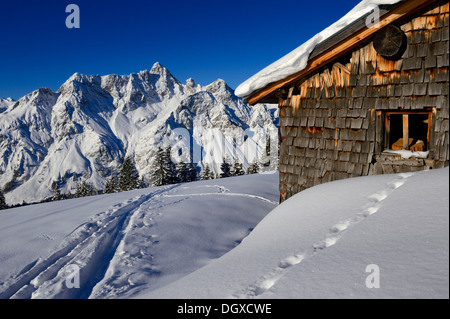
point(297, 60)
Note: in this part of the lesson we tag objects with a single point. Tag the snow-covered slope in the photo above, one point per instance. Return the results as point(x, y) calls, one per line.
point(335, 240)
point(383, 236)
point(128, 242)
point(84, 131)
point(5, 103)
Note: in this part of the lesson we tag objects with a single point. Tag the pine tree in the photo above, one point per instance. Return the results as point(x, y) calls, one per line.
point(142, 183)
point(191, 172)
point(129, 177)
point(206, 173)
point(237, 169)
point(164, 171)
point(2, 200)
point(91, 191)
point(158, 172)
point(225, 168)
point(82, 189)
point(182, 172)
point(169, 167)
point(253, 168)
point(186, 172)
point(56, 191)
point(111, 184)
point(78, 190)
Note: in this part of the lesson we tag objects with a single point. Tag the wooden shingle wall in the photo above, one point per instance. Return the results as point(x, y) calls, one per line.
point(331, 123)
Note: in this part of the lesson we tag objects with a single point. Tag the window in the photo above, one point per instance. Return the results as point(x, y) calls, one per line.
point(408, 130)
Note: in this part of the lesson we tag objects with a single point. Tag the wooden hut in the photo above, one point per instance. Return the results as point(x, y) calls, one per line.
point(371, 100)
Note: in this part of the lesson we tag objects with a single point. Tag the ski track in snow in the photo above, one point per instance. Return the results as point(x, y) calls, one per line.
point(128, 273)
point(126, 270)
point(221, 190)
point(267, 281)
point(224, 194)
point(90, 246)
point(101, 249)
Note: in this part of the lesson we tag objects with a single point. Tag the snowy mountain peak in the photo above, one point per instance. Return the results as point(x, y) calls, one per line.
point(85, 130)
point(219, 86)
point(79, 82)
point(5, 103)
point(192, 87)
point(78, 78)
point(190, 82)
point(8, 99)
point(159, 69)
point(40, 98)
point(42, 92)
point(219, 83)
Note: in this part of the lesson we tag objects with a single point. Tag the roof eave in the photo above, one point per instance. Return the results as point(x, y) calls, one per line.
point(341, 43)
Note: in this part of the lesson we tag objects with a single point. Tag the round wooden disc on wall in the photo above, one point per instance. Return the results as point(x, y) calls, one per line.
point(390, 42)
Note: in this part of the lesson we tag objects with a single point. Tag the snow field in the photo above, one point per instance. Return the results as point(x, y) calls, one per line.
point(146, 241)
point(333, 236)
point(319, 243)
point(217, 239)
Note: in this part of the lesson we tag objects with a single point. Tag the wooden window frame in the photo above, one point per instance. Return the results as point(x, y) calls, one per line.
point(387, 127)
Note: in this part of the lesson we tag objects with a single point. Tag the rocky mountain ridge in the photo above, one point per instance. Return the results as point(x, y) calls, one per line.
point(86, 129)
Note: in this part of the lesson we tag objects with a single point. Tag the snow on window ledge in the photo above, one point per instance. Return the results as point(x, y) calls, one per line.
point(408, 154)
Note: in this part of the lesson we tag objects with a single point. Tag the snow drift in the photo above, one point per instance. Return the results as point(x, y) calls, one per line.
point(127, 242)
point(199, 240)
point(322, 243)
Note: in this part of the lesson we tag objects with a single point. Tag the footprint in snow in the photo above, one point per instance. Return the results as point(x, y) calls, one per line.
point(335, 232)
point(291, 261)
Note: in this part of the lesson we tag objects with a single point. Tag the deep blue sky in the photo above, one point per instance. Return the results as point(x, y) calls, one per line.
point(205, 40)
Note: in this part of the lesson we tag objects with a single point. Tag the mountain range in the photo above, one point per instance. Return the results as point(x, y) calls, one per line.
point(86, 129)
